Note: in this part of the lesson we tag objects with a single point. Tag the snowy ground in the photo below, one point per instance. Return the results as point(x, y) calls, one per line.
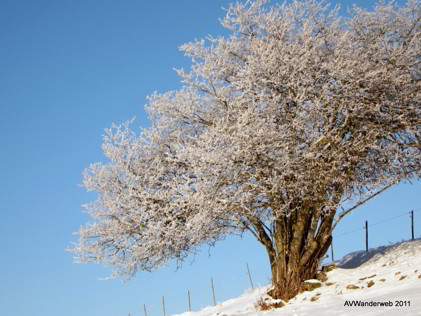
point(395, 271)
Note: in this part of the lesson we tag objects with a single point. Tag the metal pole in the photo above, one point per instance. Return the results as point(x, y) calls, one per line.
point(188, 293)
point(366, 236)
point(412, 224)
point(163, 305)
point(144, 308)
point(251, 281)
point(213, 292)
point(331, 248)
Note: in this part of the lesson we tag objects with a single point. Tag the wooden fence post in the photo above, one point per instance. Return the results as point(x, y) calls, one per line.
point(412, 225)
point(366, 236)
point(331, 248)
point(163, 305)
point(251, 281)
point(213, 292)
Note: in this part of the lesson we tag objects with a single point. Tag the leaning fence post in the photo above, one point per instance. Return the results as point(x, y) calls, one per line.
point(188, 294)
point(412, 225)
point(366, 236)
point(251, 281)
point(331, 248)
point(213, 292)
point(144, 308)
point(163, 305)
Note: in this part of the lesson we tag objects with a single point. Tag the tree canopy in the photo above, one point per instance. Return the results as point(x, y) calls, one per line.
point(297, 117)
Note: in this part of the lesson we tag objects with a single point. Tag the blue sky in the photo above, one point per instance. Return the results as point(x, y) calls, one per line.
point(69, 69)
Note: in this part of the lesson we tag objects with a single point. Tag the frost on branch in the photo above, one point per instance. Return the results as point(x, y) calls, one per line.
point(298, 113)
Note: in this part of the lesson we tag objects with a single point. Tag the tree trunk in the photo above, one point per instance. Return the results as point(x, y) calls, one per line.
point(288, 275)
point(301, 241)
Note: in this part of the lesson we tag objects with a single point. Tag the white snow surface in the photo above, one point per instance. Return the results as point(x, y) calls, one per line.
point(390, 263)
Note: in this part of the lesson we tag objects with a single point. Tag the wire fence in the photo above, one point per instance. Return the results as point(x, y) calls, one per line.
point(206, 296)
point(379, 222)
point(215, 288)
point(338, 238)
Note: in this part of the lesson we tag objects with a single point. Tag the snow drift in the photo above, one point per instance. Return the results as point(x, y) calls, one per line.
point(382, 281)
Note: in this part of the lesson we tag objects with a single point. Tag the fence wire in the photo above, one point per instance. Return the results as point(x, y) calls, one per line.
point(156, 308)
point(377, 223)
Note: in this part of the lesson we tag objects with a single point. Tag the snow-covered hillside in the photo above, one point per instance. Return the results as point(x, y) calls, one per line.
point(383, 276)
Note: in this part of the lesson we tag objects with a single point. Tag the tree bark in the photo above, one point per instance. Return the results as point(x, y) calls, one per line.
point(301, 241)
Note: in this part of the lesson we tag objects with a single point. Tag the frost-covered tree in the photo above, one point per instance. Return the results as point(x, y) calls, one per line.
point(280, 130)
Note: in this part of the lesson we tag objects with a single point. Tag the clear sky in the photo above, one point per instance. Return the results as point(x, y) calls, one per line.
point(69, 69)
